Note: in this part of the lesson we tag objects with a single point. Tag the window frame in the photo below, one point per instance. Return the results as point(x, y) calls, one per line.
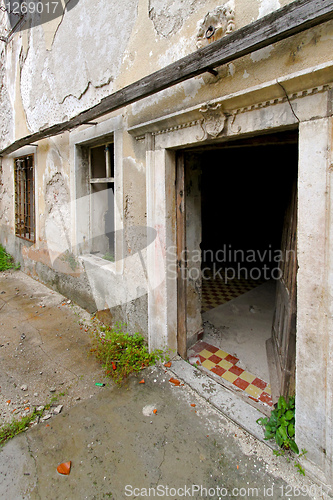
point(98, 181)
point(27, 191)
point(110, 130)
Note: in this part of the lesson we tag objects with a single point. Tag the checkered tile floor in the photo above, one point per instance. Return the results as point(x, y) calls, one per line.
point(225, 365)
point(217, 290)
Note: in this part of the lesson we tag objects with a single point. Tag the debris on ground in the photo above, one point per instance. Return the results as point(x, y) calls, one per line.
point(30, 377)
point(64, 468)
point(57, 409)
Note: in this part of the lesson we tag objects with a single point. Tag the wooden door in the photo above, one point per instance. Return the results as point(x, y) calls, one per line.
point(181, 263)
point(284, 323)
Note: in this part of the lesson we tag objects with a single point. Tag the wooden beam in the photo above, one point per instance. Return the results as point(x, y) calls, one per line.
point(181, 264)
point(291, 19)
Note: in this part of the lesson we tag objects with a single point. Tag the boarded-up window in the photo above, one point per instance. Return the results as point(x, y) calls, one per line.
point(24, 198)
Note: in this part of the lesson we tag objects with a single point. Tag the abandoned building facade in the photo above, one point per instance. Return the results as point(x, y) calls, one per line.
point(155, 153)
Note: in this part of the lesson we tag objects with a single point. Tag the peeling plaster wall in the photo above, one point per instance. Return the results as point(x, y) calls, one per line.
point(58, 69)
point(7, 110)
point(169, 18)
point(54, 71)
point(95, 38)
point(6, 198)
point(4, 22)
point(304, 50)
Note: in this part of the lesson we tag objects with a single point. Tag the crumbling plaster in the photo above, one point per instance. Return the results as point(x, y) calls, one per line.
point(7, 105)
point(168, 18)
point(276, 62)
point(61, 89)
point(6, 194)
point(115, 44)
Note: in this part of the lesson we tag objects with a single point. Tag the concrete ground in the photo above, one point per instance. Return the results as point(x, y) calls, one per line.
point(119, 447)
point(44, 347)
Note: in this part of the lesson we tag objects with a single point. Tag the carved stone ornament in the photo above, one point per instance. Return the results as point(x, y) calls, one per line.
point(215, 25)
point(213, 120)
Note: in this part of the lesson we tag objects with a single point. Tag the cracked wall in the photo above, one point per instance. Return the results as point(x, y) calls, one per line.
point(58, 69)
point(61, 89)
point(70, 63)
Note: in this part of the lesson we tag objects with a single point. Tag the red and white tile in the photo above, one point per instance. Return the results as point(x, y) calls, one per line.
point(225, 365)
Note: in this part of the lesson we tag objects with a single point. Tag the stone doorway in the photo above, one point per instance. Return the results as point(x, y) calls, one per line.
point(236, 196)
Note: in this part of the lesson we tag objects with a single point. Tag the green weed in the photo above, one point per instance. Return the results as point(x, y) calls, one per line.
point(15, 427)
point(7, 261)
point(281, 424)
point(281, 427)
point(8, 431)
point(109, 256)
point(299, 468)
point(122, 353)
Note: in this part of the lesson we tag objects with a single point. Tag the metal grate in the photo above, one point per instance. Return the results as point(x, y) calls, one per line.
point(25, 198)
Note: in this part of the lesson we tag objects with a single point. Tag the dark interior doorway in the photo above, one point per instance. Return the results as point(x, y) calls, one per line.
point(244, 195)
point(236, 198)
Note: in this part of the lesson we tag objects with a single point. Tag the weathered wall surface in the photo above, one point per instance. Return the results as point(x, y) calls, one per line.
point(68, 64)
point(6, 114)
point(54, 71)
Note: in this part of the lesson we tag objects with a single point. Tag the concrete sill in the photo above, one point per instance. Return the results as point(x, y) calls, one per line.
point(96, 260)
point(233, 407)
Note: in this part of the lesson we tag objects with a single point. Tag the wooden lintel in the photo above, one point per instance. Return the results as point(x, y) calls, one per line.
point(291, 19)
point(213, 71)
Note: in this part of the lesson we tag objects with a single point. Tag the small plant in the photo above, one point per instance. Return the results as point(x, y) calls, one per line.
point(10, 430)
point(15, 427)
point(281, 427)
point(109, 256)
point(299, 468)
point(7, 261)
point(122, 353)
point(281, 424)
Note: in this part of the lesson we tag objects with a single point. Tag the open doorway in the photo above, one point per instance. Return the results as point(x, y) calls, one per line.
point(235, 234)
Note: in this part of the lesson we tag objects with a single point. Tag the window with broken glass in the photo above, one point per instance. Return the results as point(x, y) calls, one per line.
point(102, 188)
point(25, 198)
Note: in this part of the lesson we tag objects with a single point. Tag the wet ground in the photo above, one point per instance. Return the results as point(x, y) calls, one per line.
point(119, 447)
